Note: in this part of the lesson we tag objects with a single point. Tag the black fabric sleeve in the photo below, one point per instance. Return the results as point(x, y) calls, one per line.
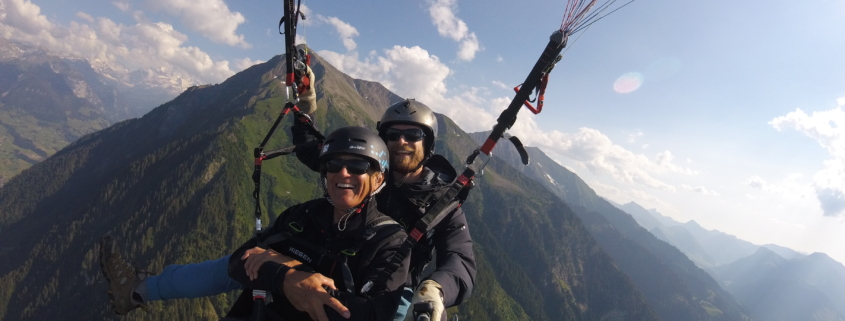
point(301, 134)
point(270, 274)
point(455, 270)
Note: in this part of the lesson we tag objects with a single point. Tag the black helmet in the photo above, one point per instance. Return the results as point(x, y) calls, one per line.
point(412, 112)
point(356, 141)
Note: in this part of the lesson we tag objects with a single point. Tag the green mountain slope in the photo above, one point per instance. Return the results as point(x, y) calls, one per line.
point(175, 186)
point(672, 284)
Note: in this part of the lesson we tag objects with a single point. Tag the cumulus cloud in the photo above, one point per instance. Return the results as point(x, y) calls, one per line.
point(211, 18)
point(241, 64)
point(699, 189)
point(450, 26)
point(827, 128)
point(85, 16)
point(500, 84)
point(757, 182)
point(25, 16)
point(123, 6)
point(408, 71)
point(154, 49)
point(635, 136)
point(345, 30)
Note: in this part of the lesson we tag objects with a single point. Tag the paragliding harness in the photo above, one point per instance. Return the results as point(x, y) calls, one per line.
point(326, 259)
point(297, 82)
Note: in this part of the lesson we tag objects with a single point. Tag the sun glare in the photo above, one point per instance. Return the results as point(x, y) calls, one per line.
point(628, 83)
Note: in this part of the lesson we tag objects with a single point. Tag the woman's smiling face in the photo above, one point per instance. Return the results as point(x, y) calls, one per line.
point(346, 189)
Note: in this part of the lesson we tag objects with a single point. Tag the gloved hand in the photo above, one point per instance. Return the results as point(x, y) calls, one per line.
point(308, 98)
point(430, 291)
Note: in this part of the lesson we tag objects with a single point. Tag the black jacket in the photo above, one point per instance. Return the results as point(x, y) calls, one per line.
point(455, 267)
point(373, 246)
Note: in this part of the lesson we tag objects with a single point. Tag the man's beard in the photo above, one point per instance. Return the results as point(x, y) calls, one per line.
point(406, 165)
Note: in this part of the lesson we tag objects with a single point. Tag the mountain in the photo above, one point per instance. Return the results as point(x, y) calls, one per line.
point(722, 247)
point(804, 288)
point(707, 248)
point(672, 284)
point(649, 219)
point(48, 100)
point(175, 186)
point(784, 252)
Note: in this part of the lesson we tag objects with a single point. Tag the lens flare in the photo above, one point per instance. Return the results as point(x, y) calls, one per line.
point(628, 83)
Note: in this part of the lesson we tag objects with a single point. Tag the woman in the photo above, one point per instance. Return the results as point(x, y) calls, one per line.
point(341, 236)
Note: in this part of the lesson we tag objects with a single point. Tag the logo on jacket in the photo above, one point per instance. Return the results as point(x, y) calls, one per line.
point(300, 254)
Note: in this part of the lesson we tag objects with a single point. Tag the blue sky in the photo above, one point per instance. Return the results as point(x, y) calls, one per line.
point(726, 112)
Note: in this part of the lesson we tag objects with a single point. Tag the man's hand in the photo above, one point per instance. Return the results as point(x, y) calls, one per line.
point(256, 256)
point(430, 291)
point(306, 293)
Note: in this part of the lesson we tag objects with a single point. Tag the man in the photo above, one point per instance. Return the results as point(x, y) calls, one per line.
point(417, 177)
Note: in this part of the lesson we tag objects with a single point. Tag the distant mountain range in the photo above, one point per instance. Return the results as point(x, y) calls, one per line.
point(49, 99)
point(672, 284)
point(773, 282)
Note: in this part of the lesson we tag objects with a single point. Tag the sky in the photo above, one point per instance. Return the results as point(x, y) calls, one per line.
point(729, 113)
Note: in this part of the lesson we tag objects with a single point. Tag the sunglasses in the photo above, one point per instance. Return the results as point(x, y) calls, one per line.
point(353, 166)
point(412, 135)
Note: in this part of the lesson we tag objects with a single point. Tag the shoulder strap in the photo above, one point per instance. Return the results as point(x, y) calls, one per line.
point(452, 199)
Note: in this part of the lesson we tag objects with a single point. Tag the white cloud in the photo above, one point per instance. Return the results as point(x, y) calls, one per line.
point(345, 30)
point(841, 101)
point(24, 16)
point(241, 64)
point(157, 49)
point(828, 129)
point(499, 58)
point(85, 16)
point(500, 84)
point(699, 189)
point(635, 136)
point(211, 18)
point(450, 26)
point(757, 182)
point(408, 71)
point(123, 6)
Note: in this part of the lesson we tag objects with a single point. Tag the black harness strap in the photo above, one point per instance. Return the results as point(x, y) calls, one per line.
point(452, 199)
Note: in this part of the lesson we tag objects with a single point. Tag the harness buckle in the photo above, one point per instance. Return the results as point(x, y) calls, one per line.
point(295, 226)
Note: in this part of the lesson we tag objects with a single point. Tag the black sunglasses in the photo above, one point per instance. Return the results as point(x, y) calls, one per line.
point(412, 135)
point(353, 166)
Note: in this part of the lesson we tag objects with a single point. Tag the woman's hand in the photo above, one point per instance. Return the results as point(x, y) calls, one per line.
point(255, 257)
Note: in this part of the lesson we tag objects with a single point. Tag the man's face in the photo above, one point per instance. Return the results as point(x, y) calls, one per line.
point(405, 156)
